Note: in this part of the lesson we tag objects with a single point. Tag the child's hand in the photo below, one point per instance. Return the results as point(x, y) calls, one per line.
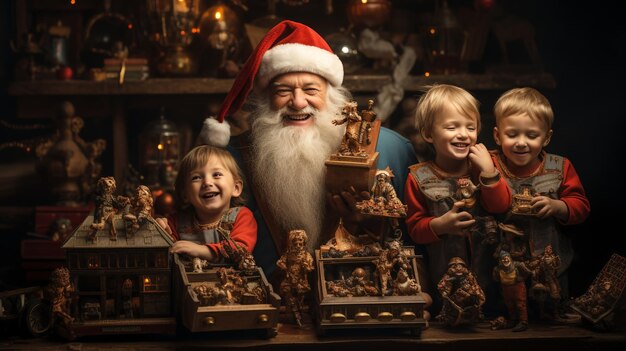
point(453, 222)
point(547, 207)
point(192, 249)
point(480, 157)
point(163, 223)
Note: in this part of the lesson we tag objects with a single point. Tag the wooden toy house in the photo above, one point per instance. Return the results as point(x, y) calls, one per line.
point(122, 285)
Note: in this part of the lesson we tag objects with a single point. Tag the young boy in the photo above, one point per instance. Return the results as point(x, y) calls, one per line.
point(441, 195)
point(523, 128)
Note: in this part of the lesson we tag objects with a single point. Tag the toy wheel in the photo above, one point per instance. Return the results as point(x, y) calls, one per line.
point(38, 317)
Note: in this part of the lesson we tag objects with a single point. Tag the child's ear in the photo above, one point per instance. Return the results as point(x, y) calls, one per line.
point(496, 136)
point(238, 188)
point(426, 136)
point(548, 137)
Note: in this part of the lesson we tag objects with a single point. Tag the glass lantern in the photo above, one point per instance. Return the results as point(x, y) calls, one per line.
point(445, 39)
point(160, 148)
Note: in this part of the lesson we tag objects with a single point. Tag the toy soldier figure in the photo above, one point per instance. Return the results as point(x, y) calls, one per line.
point(511, 276)
point(297, 263)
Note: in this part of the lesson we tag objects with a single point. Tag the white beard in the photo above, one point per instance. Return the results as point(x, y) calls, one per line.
point(289, 164)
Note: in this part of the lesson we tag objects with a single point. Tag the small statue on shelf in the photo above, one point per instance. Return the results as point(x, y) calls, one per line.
point(107, 205)
point(140, 210)
point(199, 264)
point(297, 263)
point(385, 263)
point(58, 293)
point(462, 295)
point(545, 282)
point(384, 201)
point(350, 145)
point(405, 285)
point(511, 275)
point(368, 116)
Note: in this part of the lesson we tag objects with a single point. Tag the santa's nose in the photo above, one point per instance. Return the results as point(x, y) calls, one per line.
point(299, 101)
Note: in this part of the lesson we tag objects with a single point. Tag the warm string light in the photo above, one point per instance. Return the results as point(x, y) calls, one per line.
point(72, 2)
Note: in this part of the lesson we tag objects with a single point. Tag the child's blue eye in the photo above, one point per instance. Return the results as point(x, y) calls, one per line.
point(217, 174)
point(195, 177)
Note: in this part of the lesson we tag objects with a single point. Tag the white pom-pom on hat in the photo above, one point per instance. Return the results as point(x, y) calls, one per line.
point(214, 133)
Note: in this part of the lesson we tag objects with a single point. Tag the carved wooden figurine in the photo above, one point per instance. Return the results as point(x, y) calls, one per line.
point(511, 276)
point(140, 210)
point(545, 282)
point(350, 144)
point(107, 204)
point(58, 293)
point(462, 296)
point(297, 263)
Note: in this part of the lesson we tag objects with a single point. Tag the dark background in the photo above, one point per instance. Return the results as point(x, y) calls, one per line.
point(581, 44)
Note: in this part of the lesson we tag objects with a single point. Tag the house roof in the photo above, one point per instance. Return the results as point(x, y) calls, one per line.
point(149, 235)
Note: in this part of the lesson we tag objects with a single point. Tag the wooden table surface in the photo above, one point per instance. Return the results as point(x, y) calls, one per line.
point(290, 337)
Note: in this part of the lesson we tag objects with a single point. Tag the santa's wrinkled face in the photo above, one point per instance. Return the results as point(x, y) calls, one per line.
point(292, 137)
point(297, 95)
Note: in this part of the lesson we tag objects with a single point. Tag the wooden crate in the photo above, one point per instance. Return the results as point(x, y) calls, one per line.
point(364, 311)
point(198, 318)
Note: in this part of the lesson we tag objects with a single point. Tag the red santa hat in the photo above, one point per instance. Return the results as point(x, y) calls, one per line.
point(288, 47)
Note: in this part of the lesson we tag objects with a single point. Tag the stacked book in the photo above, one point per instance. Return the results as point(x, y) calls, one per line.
point(128, 69)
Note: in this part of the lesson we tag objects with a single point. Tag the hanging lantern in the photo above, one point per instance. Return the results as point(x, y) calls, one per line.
point(369, 13)
point(219, 26)
point(445, 41)
point(159, 152)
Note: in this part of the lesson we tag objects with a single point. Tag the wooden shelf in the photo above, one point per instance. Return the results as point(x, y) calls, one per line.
point(201, 86)
point(290, 337)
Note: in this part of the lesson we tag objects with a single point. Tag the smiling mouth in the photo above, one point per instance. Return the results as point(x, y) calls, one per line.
point(298, 118)
point(207, 196)
point(460, 145)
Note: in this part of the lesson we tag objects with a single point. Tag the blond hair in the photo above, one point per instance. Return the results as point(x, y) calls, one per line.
point(198, 157)
point(524, 101)
point(438, 96)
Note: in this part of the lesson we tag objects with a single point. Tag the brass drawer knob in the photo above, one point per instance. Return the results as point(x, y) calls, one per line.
point(209, 321)
point(385, 316)
point(362, 317)
point(407, 316)
point(337, 318)
point(264, 318)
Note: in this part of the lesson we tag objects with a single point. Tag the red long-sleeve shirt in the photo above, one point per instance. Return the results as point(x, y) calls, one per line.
point(244, 231)
point(571, 191)
point(495, 198)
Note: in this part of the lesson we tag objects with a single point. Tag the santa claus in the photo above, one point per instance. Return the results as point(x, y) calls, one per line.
point(292, 85)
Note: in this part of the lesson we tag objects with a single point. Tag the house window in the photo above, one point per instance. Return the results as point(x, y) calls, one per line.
point(155, 282)
point(93, 261)
point(72, 261)
point(160, 260)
